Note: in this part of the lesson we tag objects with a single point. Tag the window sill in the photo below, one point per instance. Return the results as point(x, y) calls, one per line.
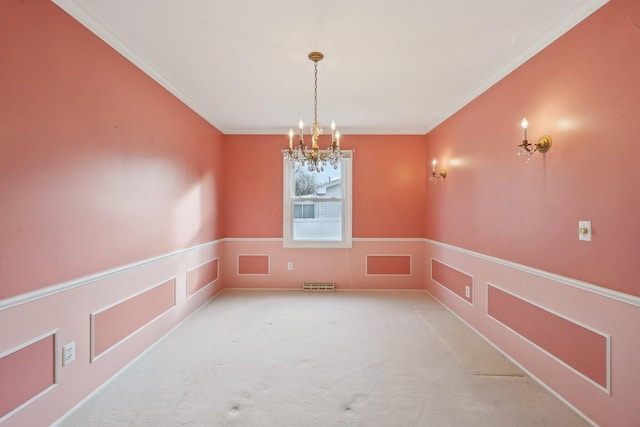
point(317, 244)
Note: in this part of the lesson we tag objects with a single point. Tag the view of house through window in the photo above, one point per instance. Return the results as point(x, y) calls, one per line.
point(316, 204)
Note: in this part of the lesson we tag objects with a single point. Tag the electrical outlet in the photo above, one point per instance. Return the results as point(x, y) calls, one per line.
point(68, 353)
point(289, 266)
point(467, 291)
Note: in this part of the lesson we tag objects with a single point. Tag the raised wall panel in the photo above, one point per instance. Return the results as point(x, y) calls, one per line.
point(453, 279)
point(201, 276)
point(115, 323)
point(26, 372)
point(578, 347)
point(253, 264)
point(388, 265)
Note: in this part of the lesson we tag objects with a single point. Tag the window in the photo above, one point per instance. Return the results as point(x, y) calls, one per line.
point(317, 205)
point(304, 210)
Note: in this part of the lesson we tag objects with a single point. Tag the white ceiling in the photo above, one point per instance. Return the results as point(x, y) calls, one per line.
point(390, 67)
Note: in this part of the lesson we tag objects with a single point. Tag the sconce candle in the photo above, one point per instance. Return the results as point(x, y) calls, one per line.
point(290, 139)
point(524, 125)
point(433, 168)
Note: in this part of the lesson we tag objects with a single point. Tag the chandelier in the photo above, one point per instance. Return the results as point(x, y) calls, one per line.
point(314, 159)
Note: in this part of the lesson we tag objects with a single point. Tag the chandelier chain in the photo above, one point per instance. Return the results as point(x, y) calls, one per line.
point(315, 93)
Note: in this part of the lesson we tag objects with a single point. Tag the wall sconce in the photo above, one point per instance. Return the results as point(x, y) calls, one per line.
point(435, 175)
point(527, 149)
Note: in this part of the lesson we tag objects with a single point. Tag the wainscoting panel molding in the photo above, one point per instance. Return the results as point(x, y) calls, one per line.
point(388, 265)
point(26, 373)
point(576, 339)
point(254, 264)
point(580, 348)
point(453, 279)
point(373, 264)
point(202, 275)
point(113, 324)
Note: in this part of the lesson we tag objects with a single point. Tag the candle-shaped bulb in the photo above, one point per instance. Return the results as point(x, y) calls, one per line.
point(290, 139)
point(433, 165)
point(300, 124)
point(524, 125)
point(338, 139)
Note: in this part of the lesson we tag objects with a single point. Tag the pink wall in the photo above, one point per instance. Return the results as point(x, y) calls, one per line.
point(109, 186)
point(558, 360)
point(346, 268)
point(387, 186)
point(583, 90)
point(388, 214)
point(582, 349)
point(69, 313)
point(202, 275)
point(454, 280)
point(513, 226)
point(100, 166)
point(26, 372)
point(253, 185)
point(108, 327)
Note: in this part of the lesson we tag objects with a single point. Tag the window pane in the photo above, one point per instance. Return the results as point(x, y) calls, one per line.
point(326, 225)
point(305, 181)
point(325, 183)
point(304, 210)
point(308, 211)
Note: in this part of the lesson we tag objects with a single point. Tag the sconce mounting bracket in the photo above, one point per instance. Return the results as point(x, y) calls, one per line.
point(544, 144)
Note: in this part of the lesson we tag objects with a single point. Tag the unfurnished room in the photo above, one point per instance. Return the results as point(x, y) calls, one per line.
point(319, 213)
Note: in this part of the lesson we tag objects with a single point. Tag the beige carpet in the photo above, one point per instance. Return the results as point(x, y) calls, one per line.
point(470, 349)
point(253, 358)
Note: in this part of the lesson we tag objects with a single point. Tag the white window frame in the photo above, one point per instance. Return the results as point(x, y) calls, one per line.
point(287, 208)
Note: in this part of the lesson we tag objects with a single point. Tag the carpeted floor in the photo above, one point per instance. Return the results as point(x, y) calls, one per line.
point(269, 358)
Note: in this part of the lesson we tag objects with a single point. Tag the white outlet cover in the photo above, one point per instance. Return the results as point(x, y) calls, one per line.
point(68, 353)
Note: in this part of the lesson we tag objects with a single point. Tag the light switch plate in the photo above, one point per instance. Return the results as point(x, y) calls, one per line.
point(584, 225)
